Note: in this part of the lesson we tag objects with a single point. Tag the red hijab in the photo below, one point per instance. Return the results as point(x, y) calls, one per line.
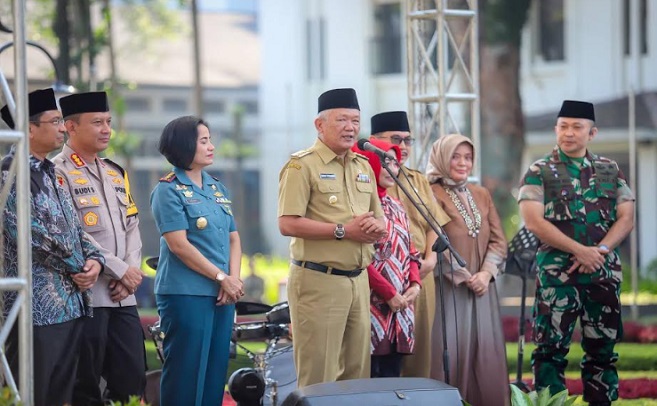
point(374, 160)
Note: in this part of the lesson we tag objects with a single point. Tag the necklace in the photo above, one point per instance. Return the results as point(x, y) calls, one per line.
point(473, 226)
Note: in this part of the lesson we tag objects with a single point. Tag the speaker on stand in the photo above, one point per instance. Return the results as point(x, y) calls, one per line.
point(376, 391)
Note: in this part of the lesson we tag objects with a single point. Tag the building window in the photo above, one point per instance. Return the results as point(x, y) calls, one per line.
point(315, 49)
point(137, 104)
point(628, 23)
point(386, 46)
point(214, 107)
point(175, 105)
point(551, 30)
point(250, 107)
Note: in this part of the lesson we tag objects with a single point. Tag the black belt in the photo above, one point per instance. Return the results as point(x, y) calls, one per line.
point(326, 269)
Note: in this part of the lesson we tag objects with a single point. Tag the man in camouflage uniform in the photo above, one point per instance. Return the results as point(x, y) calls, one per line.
point(580, 207)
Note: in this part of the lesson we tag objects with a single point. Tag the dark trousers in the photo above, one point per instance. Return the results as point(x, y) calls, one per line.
point(112, 348)
point(386, 366)
point(56, 350)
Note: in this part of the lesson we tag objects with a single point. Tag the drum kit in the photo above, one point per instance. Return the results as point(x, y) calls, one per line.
point(272, 376)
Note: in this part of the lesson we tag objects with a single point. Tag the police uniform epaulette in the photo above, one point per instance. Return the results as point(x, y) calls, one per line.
point(359, 155)
point(169, 177)
point(302, 153)
point(115, 164)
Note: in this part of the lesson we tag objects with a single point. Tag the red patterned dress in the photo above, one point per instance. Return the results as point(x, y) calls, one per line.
point(393, 270)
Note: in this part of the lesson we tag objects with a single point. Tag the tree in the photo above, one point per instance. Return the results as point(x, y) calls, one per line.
point(502, 122)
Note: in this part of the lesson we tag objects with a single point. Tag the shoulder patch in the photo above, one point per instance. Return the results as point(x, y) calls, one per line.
point(115, 164)
point(605, 160)
point(301, 154)
point(169, 177)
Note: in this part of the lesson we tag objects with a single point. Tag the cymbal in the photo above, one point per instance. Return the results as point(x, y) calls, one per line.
point(152, 262)
point(251, 308)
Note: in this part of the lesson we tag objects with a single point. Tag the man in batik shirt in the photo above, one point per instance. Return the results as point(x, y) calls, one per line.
point(65, 264)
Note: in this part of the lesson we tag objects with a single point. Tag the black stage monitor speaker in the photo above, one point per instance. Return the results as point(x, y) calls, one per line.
point(376, 392)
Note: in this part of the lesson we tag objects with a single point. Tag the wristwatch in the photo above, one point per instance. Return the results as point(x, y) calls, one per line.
point(339, 232)
point(220, 277)
point(604, 247)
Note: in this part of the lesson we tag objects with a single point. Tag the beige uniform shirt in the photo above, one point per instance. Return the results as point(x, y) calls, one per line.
point(315, 184)
point(419, 226)
point(100, 192)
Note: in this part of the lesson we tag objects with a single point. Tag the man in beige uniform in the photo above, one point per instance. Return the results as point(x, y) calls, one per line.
point(393, 127)
point(328, 204)
point(112, 341)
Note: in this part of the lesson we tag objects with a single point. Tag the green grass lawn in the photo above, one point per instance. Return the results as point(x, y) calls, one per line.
point(632, 357)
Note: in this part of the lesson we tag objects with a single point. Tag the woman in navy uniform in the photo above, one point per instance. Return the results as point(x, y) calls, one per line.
point(197, 281)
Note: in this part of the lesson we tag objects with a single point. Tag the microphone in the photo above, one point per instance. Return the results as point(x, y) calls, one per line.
point(365, 145)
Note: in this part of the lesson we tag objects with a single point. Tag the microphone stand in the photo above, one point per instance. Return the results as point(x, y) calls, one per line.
point(441, 244)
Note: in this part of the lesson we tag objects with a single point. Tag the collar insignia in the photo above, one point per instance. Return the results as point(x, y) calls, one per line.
point(77, 160)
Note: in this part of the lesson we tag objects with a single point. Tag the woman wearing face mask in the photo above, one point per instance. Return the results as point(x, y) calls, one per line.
point(475, 339)
point(394, 276)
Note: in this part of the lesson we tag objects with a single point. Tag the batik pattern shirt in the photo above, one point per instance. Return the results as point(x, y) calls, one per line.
point(394, 268)
point(59, 246)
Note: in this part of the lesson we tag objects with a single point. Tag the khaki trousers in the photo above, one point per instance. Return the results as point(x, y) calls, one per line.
point(418, 364)
point(330, 325)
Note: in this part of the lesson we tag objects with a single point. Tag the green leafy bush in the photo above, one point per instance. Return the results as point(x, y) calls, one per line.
point(542, 398)
point(132, 401)
point(8, 398)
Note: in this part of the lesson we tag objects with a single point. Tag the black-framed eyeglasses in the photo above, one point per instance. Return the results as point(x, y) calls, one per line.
point(397, 140)
point(54, 121)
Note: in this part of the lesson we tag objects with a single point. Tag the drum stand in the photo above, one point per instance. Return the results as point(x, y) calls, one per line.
point(261, 364)
point(521, 262)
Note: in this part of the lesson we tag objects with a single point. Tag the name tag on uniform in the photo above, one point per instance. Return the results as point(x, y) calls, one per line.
point(363, 178)
point(330, 176)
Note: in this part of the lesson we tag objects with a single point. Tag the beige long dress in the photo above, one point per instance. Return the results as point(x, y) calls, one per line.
point(477, 355)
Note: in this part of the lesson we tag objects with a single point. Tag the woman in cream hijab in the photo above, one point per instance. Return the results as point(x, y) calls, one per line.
point(476, 348)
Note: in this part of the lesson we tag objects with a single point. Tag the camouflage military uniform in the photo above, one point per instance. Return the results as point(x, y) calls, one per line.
point(580, 198)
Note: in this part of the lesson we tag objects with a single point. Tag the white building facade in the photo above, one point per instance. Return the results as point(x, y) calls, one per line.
point(572, 49)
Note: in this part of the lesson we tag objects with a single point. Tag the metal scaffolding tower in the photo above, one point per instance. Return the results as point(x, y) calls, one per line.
point(443, 73)
point(21, 311)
